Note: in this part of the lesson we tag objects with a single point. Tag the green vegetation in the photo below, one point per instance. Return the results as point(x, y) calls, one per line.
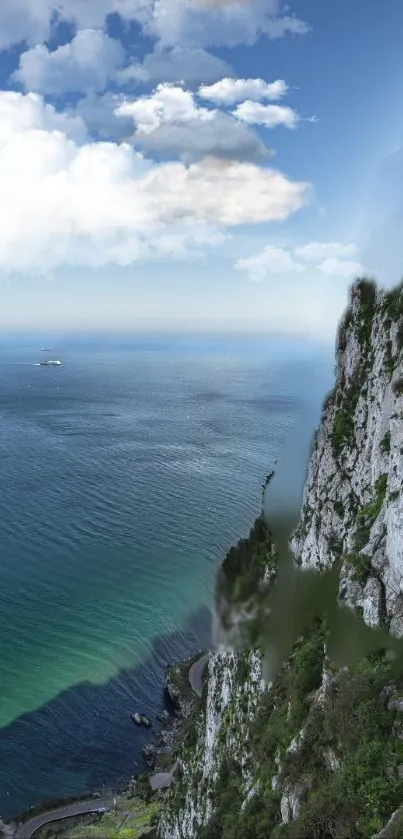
point(343, 428)
point(353, 725)
point(366, 293)
point(369, 512)
point(245, 564)
point(392, 304)
point(361, 565)
point(346, 399)
point(280, 715)
point(131, 819)
point(392, 307)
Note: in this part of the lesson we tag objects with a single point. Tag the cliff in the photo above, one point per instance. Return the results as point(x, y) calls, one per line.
point(318, 752)
point(353, 499)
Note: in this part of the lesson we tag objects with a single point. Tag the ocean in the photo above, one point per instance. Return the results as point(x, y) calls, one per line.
point(126, 475)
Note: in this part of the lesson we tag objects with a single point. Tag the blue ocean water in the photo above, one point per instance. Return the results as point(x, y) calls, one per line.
point(125, 477)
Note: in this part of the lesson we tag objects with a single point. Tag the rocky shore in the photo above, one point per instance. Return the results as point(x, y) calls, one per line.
point(181, 700)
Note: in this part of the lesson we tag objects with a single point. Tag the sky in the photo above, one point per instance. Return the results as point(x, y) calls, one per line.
point(197, 164)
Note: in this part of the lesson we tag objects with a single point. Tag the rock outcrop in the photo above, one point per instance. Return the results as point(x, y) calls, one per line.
point(353, 499)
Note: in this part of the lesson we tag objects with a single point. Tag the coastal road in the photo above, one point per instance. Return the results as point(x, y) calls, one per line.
point(26, 830)
point(196, 673)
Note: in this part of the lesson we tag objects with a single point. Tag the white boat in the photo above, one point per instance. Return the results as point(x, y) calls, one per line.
point(50, 363)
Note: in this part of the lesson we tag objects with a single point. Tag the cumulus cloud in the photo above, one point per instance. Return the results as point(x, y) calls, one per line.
point(220, 24)
point(254, 113)
point(86, 63)
point(98, 113)
point(170, 122)
point(228, 91)
point(330, 258)
point(21, 115)
point(174, 65)
point(168, 104)
point(171, 22)
point(95, 203)
point(270, 260)
point(318, 251)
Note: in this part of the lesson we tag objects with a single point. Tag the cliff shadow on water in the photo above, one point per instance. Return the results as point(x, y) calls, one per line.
point(84, 739)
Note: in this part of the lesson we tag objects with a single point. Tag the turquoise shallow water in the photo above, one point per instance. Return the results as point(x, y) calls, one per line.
point(125, 476)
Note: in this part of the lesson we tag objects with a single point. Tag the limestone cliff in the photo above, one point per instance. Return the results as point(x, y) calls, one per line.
point(318, 753)
point(353, 498)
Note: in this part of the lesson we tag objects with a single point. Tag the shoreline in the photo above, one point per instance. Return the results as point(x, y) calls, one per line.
point(91, 742)
point(182, 693)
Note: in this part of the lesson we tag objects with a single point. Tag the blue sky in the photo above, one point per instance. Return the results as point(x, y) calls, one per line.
point(191, 164)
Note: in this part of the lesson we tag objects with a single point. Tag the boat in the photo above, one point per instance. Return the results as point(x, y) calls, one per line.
point(46, 349)
point(50, 363)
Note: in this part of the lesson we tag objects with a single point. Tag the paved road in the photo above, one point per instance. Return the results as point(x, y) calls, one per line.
point(196, 673)
point(26, 830)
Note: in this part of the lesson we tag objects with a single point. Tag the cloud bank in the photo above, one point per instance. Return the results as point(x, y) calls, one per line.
point(329, 258)
point(170, 22)
point(68, 200)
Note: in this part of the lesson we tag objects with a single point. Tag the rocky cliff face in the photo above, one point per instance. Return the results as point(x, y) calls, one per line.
point(353, 499)
point(318, 753)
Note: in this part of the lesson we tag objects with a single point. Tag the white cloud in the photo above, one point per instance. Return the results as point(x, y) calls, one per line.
point(220, 136)
point(228, 91)
point(30, 21)
point(319, 255)
point(86, 63)
point(254, 113)
point(20, 115)
point(168, 104)
point(176, 64)
point(318, 251)
point(99, 203)
point(270, 260)
point(341, 268)
point(191, 24)
point(170, 122)
point(204, 24)
point(98, 113)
